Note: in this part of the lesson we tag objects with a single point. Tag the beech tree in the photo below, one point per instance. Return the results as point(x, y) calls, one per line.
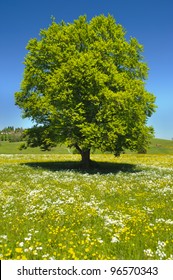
point(84, 85)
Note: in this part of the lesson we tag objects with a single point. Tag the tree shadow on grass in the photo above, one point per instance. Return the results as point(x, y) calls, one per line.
point(95, 167)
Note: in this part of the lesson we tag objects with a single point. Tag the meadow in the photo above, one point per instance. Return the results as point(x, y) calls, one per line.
point(121, 209)
point(157, 146)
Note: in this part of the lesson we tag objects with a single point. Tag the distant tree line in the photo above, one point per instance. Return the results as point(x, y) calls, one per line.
point(12, 134)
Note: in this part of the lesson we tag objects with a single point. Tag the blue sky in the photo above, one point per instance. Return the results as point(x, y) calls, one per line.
point(150, 21)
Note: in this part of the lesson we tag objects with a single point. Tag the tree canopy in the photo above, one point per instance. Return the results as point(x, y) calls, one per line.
point(84, 84)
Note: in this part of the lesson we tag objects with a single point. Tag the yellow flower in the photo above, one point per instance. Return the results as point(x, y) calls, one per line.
point(24, 258)
point(71, 251)
point(19, 250)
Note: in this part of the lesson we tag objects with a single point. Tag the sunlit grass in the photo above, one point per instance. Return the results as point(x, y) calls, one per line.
point(121, 209)
point(157, 146)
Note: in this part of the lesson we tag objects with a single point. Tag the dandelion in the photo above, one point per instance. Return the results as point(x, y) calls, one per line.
point(35, 252)
point(71, 251)
point(19, 250)
point(87, 250)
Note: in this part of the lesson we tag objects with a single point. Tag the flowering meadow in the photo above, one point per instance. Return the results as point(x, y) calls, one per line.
point(121, 209)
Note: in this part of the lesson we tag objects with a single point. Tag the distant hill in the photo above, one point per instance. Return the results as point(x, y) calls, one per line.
point(161, 146)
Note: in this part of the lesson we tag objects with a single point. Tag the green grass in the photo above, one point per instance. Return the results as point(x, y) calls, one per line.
point(13, 148)
point(121, 209)
point(158, 146)
point(161, 146)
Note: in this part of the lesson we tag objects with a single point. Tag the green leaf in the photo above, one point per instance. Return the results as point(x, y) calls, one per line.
point(84, 84)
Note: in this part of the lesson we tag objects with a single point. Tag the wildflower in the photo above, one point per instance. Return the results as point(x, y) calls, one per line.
point(71, 251)
point(87, 250)
point(27, 238)
point(160, 254)
point(170, 257)
point(45, 256)
point(148, 253)
point(70, 200)
point(161, 244)
point(23, 257)
point(3, 236)
point(19, 250)
point(35, 252)
point(99, 240)
point(39, 248)
point(114, 239)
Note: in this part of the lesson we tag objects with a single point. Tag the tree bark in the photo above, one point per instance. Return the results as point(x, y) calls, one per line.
point(85, 154)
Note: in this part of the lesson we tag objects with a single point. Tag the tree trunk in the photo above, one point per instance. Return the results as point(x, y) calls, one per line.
point(85, 154)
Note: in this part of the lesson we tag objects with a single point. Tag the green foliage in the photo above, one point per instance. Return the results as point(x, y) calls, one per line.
point(84, 84)
point(22, 146)
point(11, 134)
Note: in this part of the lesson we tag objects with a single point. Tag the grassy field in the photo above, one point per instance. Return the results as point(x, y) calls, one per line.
point(158, 146)
point(161, 146)
point(122, 209)
point(13, 148)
